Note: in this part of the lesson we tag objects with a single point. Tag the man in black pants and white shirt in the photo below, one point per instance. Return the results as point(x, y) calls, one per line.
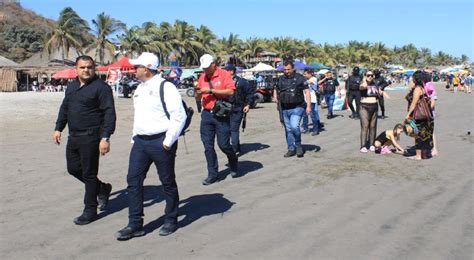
point(154, 141)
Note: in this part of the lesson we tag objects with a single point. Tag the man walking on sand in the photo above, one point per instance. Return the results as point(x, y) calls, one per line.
point(155, 141)
point(88, 110)
point(291, 93)
point(215, 85)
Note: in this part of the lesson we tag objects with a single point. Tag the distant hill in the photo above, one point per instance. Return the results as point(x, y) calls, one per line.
point(21, 31)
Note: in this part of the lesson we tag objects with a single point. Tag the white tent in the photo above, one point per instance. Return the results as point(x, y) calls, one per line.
point(261, 67)
point(323, 71)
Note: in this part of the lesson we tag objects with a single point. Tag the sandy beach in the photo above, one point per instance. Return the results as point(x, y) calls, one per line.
point(335, 203)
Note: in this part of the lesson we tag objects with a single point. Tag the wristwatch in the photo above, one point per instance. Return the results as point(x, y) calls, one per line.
point(105, 139)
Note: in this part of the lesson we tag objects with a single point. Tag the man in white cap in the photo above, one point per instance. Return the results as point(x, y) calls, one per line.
point(213, 85)
point(154, 138)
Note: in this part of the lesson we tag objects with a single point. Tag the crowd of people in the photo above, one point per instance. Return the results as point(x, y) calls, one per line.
point(161, 116)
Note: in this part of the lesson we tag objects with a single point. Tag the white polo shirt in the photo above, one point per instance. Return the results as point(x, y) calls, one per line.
point(150, 117)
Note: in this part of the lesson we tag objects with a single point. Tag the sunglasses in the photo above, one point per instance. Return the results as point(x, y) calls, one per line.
point(370, 75)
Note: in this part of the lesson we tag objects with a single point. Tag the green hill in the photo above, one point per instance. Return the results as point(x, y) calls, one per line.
point(21, 31)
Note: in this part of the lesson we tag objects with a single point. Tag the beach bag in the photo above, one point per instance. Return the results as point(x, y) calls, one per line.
point(189, 110)
point(422, 110)
point(222, 108)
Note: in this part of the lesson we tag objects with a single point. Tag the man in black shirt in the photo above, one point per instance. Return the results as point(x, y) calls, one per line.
point(330, 85)
point(291, 93)
point(241, 101)
point(353, 90)
point(88, 110)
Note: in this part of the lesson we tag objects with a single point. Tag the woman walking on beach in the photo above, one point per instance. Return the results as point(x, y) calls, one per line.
point(425, 124)
point(368, 112)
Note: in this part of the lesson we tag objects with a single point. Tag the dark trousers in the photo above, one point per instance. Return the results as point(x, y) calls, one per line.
point(368, 124)
point(382, 104)
point(143, 154)
point(354, 95)
point(235, 121)
point(212, 127)
point(82, 157)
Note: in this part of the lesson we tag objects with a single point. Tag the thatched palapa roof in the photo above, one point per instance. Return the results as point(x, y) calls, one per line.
point(4, 62)
point(55, 59)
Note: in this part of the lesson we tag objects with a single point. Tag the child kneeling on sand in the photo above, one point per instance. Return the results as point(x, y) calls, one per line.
point(388, 138)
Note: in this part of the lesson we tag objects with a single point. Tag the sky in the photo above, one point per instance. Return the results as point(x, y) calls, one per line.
point(439, 25)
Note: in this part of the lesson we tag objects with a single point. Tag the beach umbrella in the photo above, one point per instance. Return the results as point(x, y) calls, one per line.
point(122, 64)
point(65, 74)
point(298, 66)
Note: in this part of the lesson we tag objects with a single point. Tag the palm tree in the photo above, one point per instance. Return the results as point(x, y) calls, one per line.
point(283, 46)
point(104, 27)
point(69, 31)
point(251, 47)
point(464, 59)
point(185, 43)
point(206, 37)
point(130, 41)
point(378, 55)
point(441, 58)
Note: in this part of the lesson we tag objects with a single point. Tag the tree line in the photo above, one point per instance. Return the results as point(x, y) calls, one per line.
point(187, 43)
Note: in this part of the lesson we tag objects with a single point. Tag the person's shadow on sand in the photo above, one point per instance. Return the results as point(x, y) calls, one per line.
point(311, 147)
point(252, 147)
point(245, 167)
point(151, 195)
point(194, 208)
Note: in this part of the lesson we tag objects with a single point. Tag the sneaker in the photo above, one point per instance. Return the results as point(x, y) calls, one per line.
point(85, 218)
point(315, 133)
point(304, 131)
point(290, 153)
point(372, 148)
point(168, 228)
point(103, 197)
point(209, 180)
point(129, 232)
point(299, 151)
point(364, 150)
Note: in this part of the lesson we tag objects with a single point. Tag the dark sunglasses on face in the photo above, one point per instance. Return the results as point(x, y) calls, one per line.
point(369, 75)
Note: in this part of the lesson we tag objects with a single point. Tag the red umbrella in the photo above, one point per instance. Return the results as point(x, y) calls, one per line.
point(122, 64)
point(65, 74)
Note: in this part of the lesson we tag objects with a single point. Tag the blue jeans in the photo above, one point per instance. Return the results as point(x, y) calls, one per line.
point(329, 98)
point(142, 155)
point(212, 127)
point(292, 120)
point(314, 118)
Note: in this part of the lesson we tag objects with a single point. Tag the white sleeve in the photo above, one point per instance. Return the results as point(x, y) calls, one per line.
point(175, 108)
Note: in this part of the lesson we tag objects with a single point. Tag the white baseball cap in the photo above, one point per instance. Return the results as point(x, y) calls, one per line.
point(146, 59)
point(206, 61)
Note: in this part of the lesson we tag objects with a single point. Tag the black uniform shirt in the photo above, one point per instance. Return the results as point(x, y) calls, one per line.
point(88, 107)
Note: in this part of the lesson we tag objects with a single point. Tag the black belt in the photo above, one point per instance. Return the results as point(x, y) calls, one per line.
point(84, 132)
point(151, 137)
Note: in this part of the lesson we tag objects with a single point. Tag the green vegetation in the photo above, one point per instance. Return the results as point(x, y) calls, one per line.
point(21, 38)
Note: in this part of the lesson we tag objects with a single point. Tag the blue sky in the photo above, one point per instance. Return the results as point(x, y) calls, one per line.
point(438, 25)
